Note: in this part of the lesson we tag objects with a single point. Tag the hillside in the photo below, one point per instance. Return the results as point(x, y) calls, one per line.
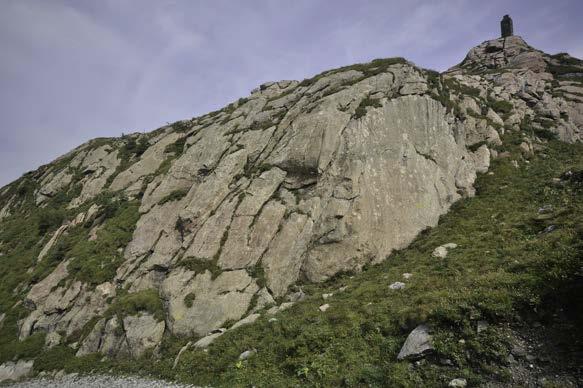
point(220, 234)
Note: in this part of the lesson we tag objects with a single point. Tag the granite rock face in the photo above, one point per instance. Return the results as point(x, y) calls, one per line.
point(298, 181)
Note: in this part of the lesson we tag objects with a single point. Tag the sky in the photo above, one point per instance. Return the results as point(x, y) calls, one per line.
point(73, 70)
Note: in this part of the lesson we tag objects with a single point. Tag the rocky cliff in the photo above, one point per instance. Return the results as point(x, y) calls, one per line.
point(197, 225)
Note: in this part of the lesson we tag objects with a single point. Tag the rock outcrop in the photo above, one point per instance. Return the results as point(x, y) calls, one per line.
point(209, 221)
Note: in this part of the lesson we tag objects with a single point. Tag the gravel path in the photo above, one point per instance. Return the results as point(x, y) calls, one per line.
point(96, 381)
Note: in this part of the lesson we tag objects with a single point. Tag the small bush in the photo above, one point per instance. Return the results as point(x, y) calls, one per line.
point(49, 219)
point(131, 304)
point(361, 109)
point(188, 299)
point(177, 147)
point(500, 106)
point(201, 265)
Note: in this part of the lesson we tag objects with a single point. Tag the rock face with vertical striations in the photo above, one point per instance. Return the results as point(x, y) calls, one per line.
point(197, 225)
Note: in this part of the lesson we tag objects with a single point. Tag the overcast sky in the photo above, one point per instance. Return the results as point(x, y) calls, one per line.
point(74, 70)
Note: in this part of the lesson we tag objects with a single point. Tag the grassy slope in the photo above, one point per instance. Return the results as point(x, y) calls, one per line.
point(504, 269)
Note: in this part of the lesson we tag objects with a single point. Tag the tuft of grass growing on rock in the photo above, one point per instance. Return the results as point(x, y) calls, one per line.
point(133, 303)
point(176, 195)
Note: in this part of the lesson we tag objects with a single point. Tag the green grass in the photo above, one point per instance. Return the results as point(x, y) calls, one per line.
point(504, 268)
point(95, 262)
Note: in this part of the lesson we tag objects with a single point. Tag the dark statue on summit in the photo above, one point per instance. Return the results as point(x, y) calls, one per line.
point(506, 26)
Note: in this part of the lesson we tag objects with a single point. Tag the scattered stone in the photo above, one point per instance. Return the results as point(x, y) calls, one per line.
point(326, 296)
point(324, 307)
point(417, 344)
point(482, 325)
point(442, 250)
point(296, 296)
point(247, 353)
point(272, 320)
point(204, 342)
point(458, 383)
point(342, 289)
point(515, 163)
point(143, 332)
point(245, 321)
point(545, 209)
point(397, 286)
point(407, 275)
point(549, 229)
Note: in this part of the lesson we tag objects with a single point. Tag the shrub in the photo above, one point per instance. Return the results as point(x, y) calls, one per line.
point(188, 299)
point(361, 109)
point(500, 106)
point(133, 303)
point(177, 147)
point(49, 219)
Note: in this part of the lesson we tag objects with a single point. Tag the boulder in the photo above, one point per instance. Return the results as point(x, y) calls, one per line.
point(442, 250)
point(15, 370)
point(417, 344)
point(460, 383)
point(397, 286)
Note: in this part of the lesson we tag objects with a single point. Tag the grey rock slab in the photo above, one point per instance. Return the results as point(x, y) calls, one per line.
point(245, 321)
point(148, 163)
point(215, 300)
point(417, 343)
point(246, 354)
point(283, 258)
point(143, 332)
point(206, 341)
point(15, 370)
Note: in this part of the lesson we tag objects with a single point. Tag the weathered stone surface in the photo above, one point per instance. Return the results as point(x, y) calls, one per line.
point(215, 300)
point(148, 163)
point(52, 184)
point(40, 291)
point(417, 343)
point(249, 237)
point(283, 259)
point(98, 166)
point(245, 321)
point(207, 241)
point(107, 337)
point(204, 342)
point(52, 241)
point(143, 332)
point(408, 148)
point(15, 370)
